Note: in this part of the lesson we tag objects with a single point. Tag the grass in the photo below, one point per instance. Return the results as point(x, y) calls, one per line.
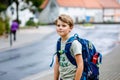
point(88, 25)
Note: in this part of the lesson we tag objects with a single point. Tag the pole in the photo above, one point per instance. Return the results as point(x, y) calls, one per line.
point(10, 38)
point(17, 4)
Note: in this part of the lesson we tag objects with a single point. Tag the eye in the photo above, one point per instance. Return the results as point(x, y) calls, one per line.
point(58, 25)
point(64, 25)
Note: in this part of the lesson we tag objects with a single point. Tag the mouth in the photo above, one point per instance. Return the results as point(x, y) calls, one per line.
point(60, 31)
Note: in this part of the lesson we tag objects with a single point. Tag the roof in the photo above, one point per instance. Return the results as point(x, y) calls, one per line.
point(109, 3)
point(85, 3)
point(92, 4)
point(44, 4)
point(70, 3)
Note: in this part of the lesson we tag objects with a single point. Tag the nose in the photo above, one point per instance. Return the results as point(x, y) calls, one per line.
point(60, 26)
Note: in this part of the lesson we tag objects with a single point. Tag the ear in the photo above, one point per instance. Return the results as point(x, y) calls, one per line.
point(71, 27)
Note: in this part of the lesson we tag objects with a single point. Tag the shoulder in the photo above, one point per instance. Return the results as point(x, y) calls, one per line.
point(76, 47)
point(76, 42)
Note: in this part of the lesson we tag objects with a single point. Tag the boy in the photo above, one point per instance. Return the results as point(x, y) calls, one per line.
point(63, 68)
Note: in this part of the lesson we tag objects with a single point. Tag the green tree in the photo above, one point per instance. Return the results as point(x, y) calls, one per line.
point(3, 5)
point(36, 3)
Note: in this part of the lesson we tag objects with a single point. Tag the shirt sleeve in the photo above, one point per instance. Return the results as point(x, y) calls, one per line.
point(76, 47)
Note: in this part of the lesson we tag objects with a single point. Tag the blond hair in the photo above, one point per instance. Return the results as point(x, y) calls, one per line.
point(66, 19)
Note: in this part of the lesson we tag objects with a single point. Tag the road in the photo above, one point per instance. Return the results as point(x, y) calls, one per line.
point(27, 60)
point(24, 61)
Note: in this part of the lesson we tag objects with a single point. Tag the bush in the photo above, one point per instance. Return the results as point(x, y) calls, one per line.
point(7, 26)
point(30, 23)
point(42, 24)
point(87, 24)
point(2, 27)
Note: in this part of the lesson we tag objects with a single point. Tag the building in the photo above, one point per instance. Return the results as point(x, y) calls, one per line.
point(111, 10)
point(50, 11)
point(96, 11)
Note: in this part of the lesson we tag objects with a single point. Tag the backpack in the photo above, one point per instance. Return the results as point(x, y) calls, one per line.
point(91, 58)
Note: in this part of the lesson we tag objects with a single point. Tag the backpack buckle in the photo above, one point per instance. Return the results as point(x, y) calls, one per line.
point(76, 35)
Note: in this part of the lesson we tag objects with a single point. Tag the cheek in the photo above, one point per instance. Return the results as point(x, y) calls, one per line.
point(69, 30)
point(57, 29)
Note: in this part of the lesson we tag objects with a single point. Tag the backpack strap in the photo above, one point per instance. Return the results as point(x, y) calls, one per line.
point(67, 50)
point(52, 59)
point(84, 47)
point(100, 58)
point(57, 52)
point(100, 55)
point(58, 48)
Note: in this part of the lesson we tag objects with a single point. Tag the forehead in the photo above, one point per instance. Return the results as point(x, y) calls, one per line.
point(61, 22)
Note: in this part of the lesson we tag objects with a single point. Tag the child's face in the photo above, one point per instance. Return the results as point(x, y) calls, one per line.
point(63, 29)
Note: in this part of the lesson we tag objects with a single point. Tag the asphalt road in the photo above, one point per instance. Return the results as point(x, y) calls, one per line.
point(24, 61)
point(27, 60)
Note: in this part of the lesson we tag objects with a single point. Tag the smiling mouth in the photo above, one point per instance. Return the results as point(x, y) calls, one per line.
point(60, 31)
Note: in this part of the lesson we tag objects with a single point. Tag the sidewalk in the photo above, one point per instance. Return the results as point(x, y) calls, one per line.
point(110, 68)
point(26, 36)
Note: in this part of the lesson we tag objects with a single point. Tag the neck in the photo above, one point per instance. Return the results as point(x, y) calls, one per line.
point(64, 38)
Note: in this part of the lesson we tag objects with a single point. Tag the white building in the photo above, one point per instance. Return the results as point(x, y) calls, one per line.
point(84, 10)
